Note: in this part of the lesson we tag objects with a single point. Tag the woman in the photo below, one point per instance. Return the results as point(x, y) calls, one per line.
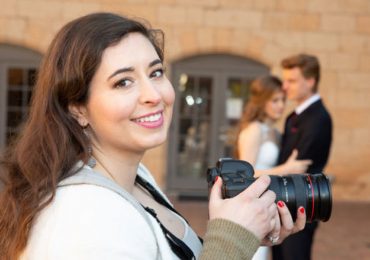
point(258, 140)
point(75, 187)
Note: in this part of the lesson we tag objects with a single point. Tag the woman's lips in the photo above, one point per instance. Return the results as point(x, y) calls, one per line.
point(154, 120)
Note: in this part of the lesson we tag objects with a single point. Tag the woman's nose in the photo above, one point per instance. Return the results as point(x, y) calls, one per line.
point(149, 92)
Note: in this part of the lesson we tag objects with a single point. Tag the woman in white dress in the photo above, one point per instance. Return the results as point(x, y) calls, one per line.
point(258, 139)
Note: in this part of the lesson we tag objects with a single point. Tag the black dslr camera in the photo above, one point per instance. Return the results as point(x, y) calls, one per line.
point(312, 191)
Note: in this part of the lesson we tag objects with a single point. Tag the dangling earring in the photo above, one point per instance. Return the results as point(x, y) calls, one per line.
point(91, 162)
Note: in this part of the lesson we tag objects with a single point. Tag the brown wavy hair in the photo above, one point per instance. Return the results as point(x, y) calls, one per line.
point(261, 91)
point(52, 141)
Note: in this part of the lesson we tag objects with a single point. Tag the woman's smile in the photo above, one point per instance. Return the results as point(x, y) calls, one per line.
point(153, 120)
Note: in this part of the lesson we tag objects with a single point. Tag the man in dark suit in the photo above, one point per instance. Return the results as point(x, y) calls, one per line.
point(309, 130)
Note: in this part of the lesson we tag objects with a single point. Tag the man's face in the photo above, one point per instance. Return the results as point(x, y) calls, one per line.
point(297, 87)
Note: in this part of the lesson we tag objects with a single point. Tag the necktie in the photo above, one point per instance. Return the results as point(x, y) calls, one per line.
point(292, 123)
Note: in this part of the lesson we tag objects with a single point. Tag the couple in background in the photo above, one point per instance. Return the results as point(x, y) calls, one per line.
point(303, 147)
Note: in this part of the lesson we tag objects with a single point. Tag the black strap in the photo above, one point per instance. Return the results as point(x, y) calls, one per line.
point(159, 198)
point(176, 244)
point(156, 195)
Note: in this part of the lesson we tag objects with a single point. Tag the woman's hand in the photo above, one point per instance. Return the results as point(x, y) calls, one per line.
point(254, 208)
point(287, 226)
point(293, 165)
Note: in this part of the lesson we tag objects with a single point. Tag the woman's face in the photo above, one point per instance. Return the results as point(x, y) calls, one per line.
point(130, 103)
point(274, 107)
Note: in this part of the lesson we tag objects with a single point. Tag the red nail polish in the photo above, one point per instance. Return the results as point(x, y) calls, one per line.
point(216, 178)
point(280, 204)
point(301, 209)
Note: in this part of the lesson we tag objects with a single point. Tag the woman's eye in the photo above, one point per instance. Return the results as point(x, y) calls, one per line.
point(157, 73)
point(123, 83)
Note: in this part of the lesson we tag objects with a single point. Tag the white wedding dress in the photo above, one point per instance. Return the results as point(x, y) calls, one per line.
point(266, 159)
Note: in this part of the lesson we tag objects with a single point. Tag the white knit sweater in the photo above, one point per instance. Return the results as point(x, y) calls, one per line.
point(91, 222)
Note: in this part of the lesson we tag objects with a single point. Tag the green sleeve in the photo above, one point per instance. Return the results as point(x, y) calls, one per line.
point(227, 240)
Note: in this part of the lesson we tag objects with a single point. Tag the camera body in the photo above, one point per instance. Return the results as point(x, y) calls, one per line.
point(312, 191)
point(236, 176)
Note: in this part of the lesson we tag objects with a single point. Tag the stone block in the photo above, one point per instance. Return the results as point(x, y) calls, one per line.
point(188, 39)
point(202, 3)
point(41, 10)
point(338, 23)
point(205, 39)
point(72, 10)
point(265, 5)
point(292, 6)
point(15, 29)
point(255, 45)
point(293, 41)
point(273, 53)
point(353, 42)
point(304, 22)
point(291, 22)
point(233, 18)
point(194, 16)
point(250, 4)
point(354, 81)
point(343, 61)
point(328, 81)
point(363, 24)
point(361, 137)
point(136, 10)
point(321, 42)
point(174, 15)
point(338, 6)
point(239, 40)
point(348, 97)
point(351, 118)
point(364, 63)
point(223, 38)
point(8, 8)
point(275, 21)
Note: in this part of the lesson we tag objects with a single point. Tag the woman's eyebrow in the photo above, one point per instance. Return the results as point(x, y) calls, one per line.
point(155, 62)
point(130, 69)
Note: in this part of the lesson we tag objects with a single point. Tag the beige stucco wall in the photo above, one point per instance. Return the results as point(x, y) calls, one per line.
point(337, 31)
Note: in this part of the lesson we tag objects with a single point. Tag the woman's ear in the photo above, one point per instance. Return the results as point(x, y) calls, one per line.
point(80, 114)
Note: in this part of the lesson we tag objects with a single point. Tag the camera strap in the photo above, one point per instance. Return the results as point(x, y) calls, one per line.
point(156, 195)
point(176, 244)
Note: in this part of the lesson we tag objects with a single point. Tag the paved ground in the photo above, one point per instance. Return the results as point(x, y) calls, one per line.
point(345, 236)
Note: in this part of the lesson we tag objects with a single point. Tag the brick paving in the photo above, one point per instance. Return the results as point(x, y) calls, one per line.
point(345, 236)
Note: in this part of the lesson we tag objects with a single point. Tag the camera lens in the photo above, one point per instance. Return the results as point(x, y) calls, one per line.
point(312, 191)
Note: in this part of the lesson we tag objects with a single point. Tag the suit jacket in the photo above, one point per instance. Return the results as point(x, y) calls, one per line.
point(311, 134)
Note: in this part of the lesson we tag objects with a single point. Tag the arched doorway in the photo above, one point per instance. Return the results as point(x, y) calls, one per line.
point(18, 69)
point(210, 93)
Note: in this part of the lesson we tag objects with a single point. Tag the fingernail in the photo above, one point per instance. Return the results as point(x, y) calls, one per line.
point(216, 178)
point(280, 204)
point(301, 209)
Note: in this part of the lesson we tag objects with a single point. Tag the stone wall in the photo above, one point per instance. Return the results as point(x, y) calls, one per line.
point(337, 31)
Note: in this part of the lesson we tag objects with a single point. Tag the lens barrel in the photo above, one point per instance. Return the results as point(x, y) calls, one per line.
point(312, 191)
